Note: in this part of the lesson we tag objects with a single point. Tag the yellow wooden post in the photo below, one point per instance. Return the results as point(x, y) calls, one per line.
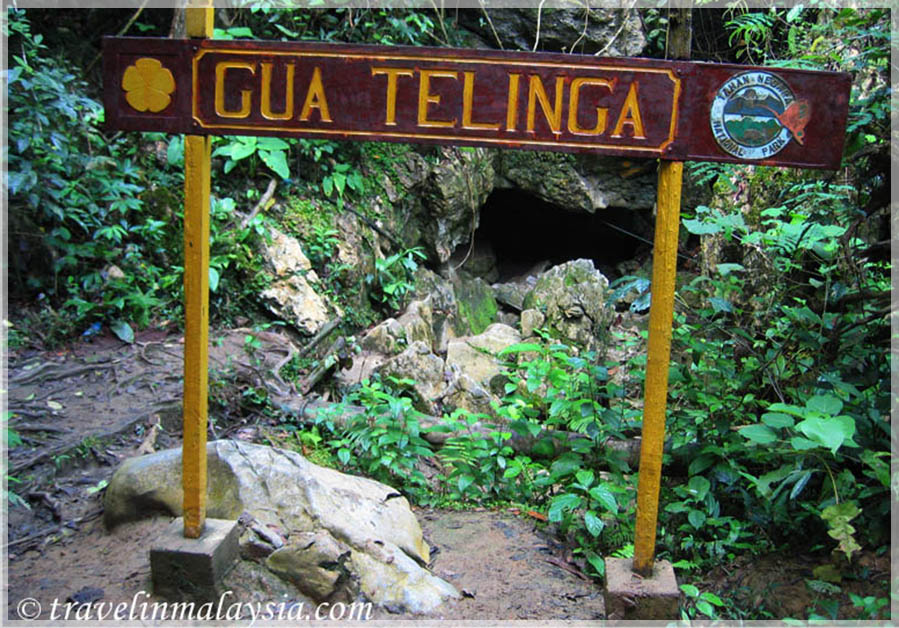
point(196, 308)
point(661, 313)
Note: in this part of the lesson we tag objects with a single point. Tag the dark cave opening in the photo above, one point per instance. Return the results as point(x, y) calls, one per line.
point(524, 232)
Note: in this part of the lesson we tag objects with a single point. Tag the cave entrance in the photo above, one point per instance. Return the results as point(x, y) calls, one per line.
point(525, 235)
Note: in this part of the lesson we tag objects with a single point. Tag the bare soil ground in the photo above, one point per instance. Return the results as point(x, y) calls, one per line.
point(84, 409)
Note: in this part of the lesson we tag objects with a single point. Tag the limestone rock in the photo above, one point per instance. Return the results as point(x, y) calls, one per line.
point(466, 393)
point(531, 320)
point(475, 355)
point(438, 293)
point(476, 305)
point(291, 295)
point(585, 183)
point(386, 337)
point(313, 562)
point(512, 293)
point(416, 323)
point(323, 515)
point(418, 363)
point(611, 32)
point(572, 297)
point(456, 188)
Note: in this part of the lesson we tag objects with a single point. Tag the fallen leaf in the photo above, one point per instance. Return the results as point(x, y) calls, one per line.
point(54, 405)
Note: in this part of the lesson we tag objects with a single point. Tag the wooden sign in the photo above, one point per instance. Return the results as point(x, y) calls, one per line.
point(618, 106)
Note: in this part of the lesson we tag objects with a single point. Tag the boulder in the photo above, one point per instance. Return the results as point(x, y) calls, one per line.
point(416, 323)
point(342, 534)
point(387, 337)
point(531, 320)
point(291, 295)
point(474, 356)
point(572, 297)
point(438, 293)
point(476, 306)
point(419, 364)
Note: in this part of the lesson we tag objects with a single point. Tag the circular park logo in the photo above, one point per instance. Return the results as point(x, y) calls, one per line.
point(754, 115)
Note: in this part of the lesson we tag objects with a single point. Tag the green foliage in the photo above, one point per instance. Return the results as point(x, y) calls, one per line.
point(271, 151)
point(393, 280)
point(699, 604)
point(386, 440)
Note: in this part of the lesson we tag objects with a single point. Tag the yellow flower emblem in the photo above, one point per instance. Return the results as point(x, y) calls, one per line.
point(148, 86)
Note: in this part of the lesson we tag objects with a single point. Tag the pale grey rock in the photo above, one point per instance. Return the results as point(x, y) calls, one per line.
point(475, 356)
point(531, 320)
point(419, 364)
point(572, 297)
point(322, 513)
point(291, 295)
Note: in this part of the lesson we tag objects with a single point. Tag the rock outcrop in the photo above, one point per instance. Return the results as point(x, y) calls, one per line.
point(335, 536)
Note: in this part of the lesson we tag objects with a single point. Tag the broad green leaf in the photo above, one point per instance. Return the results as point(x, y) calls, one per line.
point(705, 608)
point(594, 524)
point(831, 432)
point(698, 487)
point(520, 348)
point(277, 161)
point(123, 331)
point(689, 590)
point(214, 278)
point(698, 227)
point(826, 404)
point(584, 477)
point(777, 420)
point(242, 149)
point(604, 496)
point(272, 143)
point(464, 482)
point(696, 518)
point(726, 269)
point(598, 564)
point(677, 507)
point(801, 444)
point(700, 464)
point(711, 597)
point(561, 504)
point(759, 433)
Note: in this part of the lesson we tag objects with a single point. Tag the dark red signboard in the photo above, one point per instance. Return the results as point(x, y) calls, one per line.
point(617, 106)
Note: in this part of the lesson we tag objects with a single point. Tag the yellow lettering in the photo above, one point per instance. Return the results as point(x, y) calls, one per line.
point(392, 74)
point(425, 97)
point(315, 99)
point(552, 114)
point(266, 104)
point(512, 103)
point(630, 114)
point(220, 70)
point(574, 101)
point(467, 97)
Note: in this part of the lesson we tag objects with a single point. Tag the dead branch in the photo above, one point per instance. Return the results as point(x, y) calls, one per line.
point(47, 531)
point(321, 335)
point(262, 204)
point(54, 371)
point(328, 362)
point(48, 454)
point(562, 441)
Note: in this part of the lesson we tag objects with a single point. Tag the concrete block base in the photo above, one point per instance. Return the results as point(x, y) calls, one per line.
point(628, 596)
point(192, 569)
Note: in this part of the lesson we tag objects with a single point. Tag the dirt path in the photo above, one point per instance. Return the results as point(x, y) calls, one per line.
point(83, 410)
